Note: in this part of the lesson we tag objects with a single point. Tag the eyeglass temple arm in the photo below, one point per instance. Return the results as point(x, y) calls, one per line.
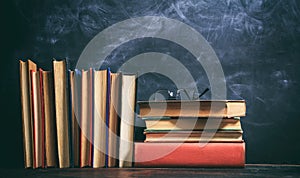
point(206, 90)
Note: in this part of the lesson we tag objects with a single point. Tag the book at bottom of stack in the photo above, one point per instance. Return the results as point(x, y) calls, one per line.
point(175, 139)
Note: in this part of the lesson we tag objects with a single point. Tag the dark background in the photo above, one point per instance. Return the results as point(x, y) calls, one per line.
point(257, 42)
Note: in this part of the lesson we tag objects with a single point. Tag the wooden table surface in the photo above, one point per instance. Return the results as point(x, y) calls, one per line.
point(251, 170)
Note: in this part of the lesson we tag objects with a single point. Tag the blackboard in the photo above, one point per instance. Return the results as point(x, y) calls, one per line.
point(257, 43)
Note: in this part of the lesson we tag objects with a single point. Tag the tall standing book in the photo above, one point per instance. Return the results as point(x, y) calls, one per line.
point(25, 83)
point(113, 121)
point(127, 120)
point(86, 104)
point(195, 108)
point(189, 155)
point(38, 154)
point(46, 78)
point(62, 117)
point(100, 95)
point(74, 117)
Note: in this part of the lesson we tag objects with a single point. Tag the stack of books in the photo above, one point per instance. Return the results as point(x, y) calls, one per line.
point(191, 134)
point(75, 118)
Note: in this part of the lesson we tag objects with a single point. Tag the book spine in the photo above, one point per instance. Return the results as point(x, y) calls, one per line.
point(189, 155)
point(107, 115)
point(42, 117)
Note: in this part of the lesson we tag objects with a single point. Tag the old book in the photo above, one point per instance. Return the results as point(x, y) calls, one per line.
point(128, 92)
point(38, 156)
point(25, 88)
point(113, 121)
point(47, 98)
point(193, 136)
point(75, 130)
point(192, 123)
point(61, 112)
point(86, 137)
point(189, 155)
point(100, 97)
point(194, 108)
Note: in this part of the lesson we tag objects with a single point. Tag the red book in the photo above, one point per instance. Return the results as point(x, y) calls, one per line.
point(189, 154)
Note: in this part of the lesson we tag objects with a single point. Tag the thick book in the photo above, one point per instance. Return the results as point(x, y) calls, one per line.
point(193, 108)
point(113, 121)
point(192, 123)
point(27, 121)
point(61, 112)
point(86, 116)
point(48, 115)
point(99, 116)
point(38, 150)
point(189, 154)
point(193, 136)
point(75, 129)
point(128, 92)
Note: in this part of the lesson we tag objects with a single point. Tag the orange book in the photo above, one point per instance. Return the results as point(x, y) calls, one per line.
point(38, 156)
point(189, 155)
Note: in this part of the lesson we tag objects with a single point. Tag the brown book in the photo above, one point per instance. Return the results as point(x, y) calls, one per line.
point(128, 92)
point(75, 120)
point(48, 113)
point(85, 138)
point(193, 136)
point(61, 111)
point(100, 99)
point(194, 108)
point(38, 156)
point(113, 120)
point(27, 121)
point(186, 123)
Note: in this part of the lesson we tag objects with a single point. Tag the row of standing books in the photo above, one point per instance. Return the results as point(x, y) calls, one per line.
point(81, 118)
point(191, 134)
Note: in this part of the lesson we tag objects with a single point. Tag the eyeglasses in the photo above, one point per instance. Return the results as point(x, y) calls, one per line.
point(180, 94)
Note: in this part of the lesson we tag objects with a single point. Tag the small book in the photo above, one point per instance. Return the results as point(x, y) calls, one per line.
point(189, 154)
